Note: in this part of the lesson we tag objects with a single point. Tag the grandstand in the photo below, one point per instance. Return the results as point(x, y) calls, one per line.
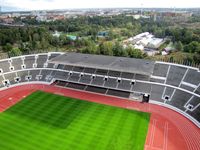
point(171, 85)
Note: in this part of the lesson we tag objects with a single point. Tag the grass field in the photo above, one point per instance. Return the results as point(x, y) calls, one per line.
point(44, 121)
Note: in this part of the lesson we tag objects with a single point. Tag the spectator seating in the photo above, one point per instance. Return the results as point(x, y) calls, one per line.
point(42, 60)
point(29, 61)
point(171, 85)
point(5, 66)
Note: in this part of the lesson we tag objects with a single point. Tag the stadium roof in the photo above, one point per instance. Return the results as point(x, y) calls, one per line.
point(122, 64)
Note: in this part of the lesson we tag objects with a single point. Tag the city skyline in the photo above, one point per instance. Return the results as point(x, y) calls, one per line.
point(14, 5)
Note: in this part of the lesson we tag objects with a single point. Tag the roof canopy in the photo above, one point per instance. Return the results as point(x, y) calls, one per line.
point(122, 64)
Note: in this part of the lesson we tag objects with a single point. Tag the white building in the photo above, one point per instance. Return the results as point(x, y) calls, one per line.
point(145, 39)
point(145, 42)
point(41, 18)
point(140, 47)
point(155, 43)
point(56, 34)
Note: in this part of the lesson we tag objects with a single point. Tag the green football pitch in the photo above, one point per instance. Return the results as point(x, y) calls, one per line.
point(44, 121)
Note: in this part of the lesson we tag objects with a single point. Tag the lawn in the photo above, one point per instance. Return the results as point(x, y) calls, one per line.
point(44, 121)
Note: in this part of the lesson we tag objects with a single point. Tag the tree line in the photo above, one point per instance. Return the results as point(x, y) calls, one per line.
point(37, 35)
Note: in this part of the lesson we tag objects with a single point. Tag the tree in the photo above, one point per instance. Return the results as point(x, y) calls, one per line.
point(179, 46)
point(55, 41)
point(106, 48)
point(196, 58)
point(193, 47)
point(134, 53)
point(15, 52)
point(7, 47)
point(117, 49)
point(90, 49)
point(36, 37)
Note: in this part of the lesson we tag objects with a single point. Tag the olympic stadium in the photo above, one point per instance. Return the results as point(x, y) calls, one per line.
point(73, 101)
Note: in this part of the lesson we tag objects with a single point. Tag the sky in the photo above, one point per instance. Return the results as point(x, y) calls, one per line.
point(65, 4)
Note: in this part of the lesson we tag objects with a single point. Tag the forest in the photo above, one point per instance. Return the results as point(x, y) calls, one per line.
point(38, 36)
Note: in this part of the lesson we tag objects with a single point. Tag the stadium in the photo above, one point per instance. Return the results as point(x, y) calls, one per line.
point(76, 101)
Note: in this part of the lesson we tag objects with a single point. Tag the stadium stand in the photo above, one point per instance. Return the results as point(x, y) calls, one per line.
point(193, 102)
point(60, 75)
point(50, 65)
point(189, 88)
point(179, 99)
point(76, 86)
point(160, 70)
point(22, 75)
point(192, 77)
point(175, 75)
point(195, 113)
point(127, 75)
point(157, 80)
point(41, 60)
point(170, 85)
point(4, 66)
point(142, 77)
point(89, 70)
point(197, 91)
point(141, 87)
point(61, 83)
point(34, 73)
point(17, 63)
point(78, 69)
point(53, 55)
point(118, 93)
point(45, 73)
point(111, 83)
point(60, 66)
point(86, 79)
point(74, 77)
point(98, 81)
point(69, 68)
point(124, 85)
point(168, 92)
point(114, 73)
point(29, 61)
point(157, 92)
point(1, 81)
point(96, 89)
point(11, 77)
point(101, 72)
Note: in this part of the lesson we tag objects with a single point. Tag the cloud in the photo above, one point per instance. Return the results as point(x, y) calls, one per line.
point(63, 4)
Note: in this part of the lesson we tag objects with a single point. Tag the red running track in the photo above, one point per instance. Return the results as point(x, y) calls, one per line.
point(168, 130)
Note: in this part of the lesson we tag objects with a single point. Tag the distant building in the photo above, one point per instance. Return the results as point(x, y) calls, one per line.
point(146, 42)
point(102, 34)
point(41, 18)
point(7, 20)
point(168, 49)
point(138, 16)
point(56, 34)
point(155, 43)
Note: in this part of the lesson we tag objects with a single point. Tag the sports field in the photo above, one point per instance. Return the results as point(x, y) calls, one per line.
point(44, 121)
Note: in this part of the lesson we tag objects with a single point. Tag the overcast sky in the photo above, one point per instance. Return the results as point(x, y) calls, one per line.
point(63, 4)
